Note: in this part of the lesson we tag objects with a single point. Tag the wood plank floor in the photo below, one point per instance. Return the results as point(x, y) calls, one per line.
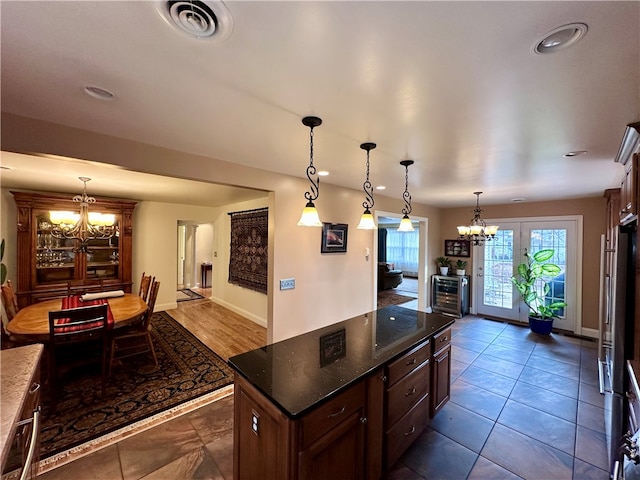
point(223, 331)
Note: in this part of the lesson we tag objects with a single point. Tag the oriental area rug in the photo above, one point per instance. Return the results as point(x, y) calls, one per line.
point(135, 390)
point(388, 297)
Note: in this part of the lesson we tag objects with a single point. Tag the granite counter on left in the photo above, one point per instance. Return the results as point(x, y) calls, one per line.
point(18, 369)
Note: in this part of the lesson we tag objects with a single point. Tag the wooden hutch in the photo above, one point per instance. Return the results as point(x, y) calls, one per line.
point(47, 265)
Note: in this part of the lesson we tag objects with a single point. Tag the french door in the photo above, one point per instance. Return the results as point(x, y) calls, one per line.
point(498, 260)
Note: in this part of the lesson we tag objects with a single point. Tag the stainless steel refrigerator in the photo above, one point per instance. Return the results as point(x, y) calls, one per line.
point(616, 338)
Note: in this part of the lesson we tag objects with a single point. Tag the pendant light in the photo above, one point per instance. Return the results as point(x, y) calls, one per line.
point(310, 216)
point(405, 223)
point(477, 231)
point(366, 221)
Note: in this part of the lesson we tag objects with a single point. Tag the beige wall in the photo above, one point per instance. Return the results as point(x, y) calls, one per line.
point(329, 287)
point(593, 212)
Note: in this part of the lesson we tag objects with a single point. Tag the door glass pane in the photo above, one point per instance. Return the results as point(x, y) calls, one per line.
point(498, 269)
point(555, 239)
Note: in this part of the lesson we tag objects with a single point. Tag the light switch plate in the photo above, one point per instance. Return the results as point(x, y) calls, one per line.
point(287, 283)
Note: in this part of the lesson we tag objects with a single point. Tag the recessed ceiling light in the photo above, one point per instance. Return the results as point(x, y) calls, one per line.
point(381, 187)
point(323, 173)
point(575, 153)
point(4, 167)
point(518, 200)
point(561, 37)
point(100, 93)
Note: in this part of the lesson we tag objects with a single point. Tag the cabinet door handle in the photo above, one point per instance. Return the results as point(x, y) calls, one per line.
point(383, 378)
point(410, 432)
point(26, 468)
point(444, 339)
point(410, 392)
point(34, 388)
point(337, 413)
point(412, 361)
point(363, 420)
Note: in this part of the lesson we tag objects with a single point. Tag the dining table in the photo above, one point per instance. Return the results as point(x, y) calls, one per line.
point(32, 322)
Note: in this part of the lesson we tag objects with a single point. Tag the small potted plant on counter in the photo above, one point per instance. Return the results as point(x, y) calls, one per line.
point(444, 263)
point(532, 284)
point(460, 267)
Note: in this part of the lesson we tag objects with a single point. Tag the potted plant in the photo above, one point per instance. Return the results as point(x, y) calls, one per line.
point(444, 263)
point(460, 267)
point(531, 283)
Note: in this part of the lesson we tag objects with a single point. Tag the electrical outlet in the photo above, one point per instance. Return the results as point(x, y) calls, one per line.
point(287, 283)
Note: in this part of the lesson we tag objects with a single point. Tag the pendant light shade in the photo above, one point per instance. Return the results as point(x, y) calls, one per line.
point(405, 223)
point(310, 217)
point(366, 221)
point(477, 231)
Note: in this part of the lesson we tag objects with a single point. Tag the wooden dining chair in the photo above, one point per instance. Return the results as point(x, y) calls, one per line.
point(145, 286)
point(76, 337)
point(136, 339)
point(9, 300)
point(10, 304)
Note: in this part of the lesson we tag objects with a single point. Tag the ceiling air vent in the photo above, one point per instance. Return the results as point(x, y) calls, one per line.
point(208, 19)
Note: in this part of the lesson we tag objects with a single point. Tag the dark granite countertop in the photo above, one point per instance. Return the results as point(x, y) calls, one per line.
point(299, 373)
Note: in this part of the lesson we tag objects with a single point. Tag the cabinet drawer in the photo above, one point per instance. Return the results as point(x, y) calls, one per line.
point(405, 432)
point(441, 340)
point(330, 414)
point(407, 392)
point(409, 361)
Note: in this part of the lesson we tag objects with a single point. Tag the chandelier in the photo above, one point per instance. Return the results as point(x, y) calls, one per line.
point(405, 223)
point(84, 226)
point(366, 221)
point(309, 217)
point(477, 231)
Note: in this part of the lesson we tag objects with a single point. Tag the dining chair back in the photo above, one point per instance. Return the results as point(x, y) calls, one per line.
point(136, 339)
point(76, 336)
point(145, 286)
point(9, 300)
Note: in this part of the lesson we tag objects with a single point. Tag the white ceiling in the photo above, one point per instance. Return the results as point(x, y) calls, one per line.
point(454, 86)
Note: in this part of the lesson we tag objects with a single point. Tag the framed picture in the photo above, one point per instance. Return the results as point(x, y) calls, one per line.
point(334, 238)
point(457, 248)
point(333, 346)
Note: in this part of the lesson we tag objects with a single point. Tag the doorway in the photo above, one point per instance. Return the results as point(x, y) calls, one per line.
point(195, 254)
point(498, 260)
point(407, 253)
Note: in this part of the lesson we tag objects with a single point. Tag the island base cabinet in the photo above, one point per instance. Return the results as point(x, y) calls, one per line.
point(326, 443)
point(441, 386)
point(338, 454)
point(261, 436)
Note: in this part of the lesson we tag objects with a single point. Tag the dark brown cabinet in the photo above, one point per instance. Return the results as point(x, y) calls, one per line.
point(326, 443)
point(406, 401)
point(628, 191)
point(46, 265)
point(441, 371)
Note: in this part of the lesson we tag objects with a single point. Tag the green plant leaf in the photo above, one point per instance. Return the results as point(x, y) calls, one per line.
point(543, 255)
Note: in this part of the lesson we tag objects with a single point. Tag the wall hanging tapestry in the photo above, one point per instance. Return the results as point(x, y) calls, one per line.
point(249, 254)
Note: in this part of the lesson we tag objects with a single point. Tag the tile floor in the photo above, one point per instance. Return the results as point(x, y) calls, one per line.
point(521, 406)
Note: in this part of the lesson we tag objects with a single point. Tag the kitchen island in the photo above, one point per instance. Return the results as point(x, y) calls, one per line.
point(341, 402)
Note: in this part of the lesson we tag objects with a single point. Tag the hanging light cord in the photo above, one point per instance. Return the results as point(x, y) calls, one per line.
point(311, 172)
point(406, 196)
point(368, 188)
